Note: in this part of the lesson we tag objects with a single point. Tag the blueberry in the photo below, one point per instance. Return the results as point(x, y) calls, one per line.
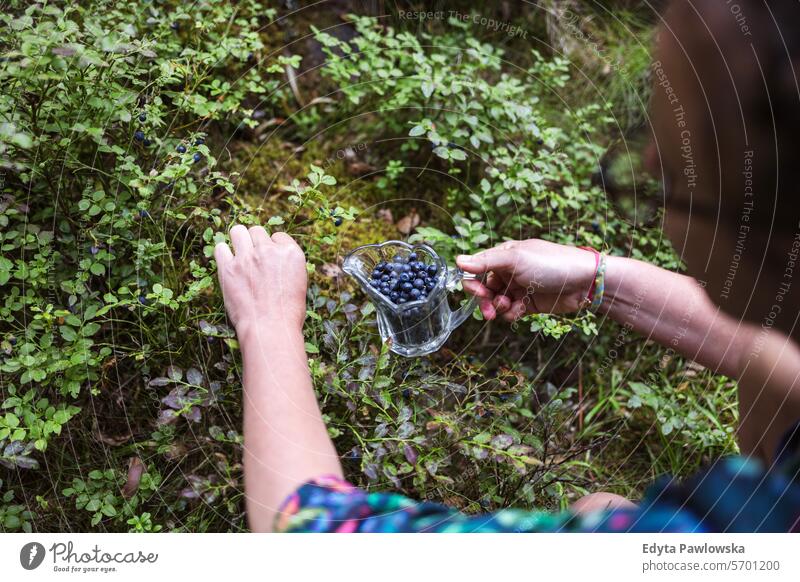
point(430, 284)
point(142, 117)
point(138, 135)
point(432, 270)
point(423, 295)
point(142, 299)
point(397, 259)
point(384, 278)
point(406, 393)
point(376, 273)
point(394, 295)
point(405, 277)
point(415, 293)
point(419, 283)
point(12, 340)
point(402, 300)
point(406, 268)
point(146, 142)
point(144, 214)
point(181, 149)
point(199, 141)
point(412, 257)
point(197, 157)
point(374, 282)
point(406, 286)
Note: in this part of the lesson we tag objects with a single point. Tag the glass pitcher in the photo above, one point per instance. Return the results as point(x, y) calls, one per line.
point(417, 327)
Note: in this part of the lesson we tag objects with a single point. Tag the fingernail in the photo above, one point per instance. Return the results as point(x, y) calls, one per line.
point(465, 259)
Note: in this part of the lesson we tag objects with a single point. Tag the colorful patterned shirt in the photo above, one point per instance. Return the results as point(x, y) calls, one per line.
point(734, 494)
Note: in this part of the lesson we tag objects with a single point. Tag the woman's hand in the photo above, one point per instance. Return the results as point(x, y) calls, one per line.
point(530, 276)
point(263, 281)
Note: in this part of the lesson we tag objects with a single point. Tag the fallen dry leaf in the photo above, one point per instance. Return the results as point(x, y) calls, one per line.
point(408, 223)
point(386, 215)
point(135, 472)
point(359, 168)
point(332, 270)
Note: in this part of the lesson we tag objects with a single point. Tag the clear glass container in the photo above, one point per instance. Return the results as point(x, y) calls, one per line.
point(418, 327)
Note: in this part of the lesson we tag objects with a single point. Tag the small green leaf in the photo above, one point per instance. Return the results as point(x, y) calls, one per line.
point(482, 438)
point(457, 154)
point(11, 420)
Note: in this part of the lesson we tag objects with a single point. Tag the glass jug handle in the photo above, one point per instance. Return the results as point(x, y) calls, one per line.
point(459, 316)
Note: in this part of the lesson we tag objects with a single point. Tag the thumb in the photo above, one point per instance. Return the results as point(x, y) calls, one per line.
point(497, 259)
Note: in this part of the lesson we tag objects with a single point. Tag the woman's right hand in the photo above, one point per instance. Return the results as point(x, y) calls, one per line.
point(530, 276)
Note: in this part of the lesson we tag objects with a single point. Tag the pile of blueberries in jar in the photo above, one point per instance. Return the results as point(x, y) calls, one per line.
point(404, 279)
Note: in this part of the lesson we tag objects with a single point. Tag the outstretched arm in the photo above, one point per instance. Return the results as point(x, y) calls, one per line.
point(536, 276)
point(675, 311)
point(286, 442)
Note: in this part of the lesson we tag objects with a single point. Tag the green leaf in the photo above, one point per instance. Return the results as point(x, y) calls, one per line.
point(482, 438)
point(61, 416)
point(67, 333)
point(457, 154)
point(11, 522)
point(11, 420)
point(442, 152)
point(93, 505)
point(90, 329)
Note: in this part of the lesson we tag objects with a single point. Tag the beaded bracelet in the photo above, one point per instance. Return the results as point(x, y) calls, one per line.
point(594, 298)
point(599, 286)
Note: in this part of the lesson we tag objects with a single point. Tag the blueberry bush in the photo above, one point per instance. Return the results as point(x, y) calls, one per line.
point(132, 134)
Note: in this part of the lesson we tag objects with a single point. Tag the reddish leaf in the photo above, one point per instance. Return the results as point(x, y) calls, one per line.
point(135, 471)
point(408, 223)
